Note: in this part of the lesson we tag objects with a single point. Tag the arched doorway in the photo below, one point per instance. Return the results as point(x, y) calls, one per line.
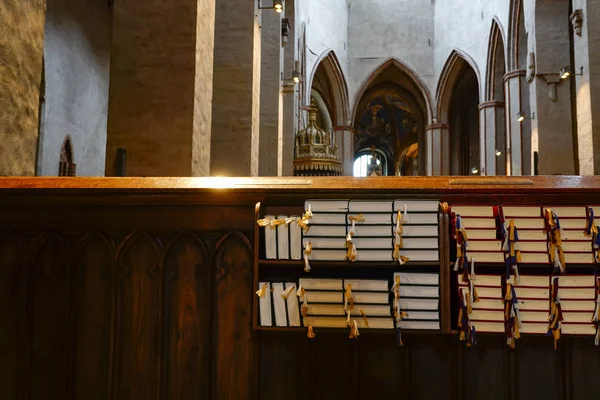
point(390, 117)
point(328, 92)
point(458, 106)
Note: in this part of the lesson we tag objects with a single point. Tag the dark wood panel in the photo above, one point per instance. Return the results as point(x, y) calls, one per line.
point(187, 323)
point(92, 313)
point(333, 365)
point(430, 367)
point(583, 368)
point(484, 372)
point(139, 307)
point(390, 380)
point(235, 370)
point(284, 366)
point(13, 336)
point(536, 369)
point(49, 308)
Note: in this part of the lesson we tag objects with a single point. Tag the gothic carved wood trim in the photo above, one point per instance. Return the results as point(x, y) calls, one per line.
point(234, 340)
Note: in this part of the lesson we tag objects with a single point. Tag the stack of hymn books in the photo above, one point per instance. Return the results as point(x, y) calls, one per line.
point(278, 304)
point(420, 299)
point(480, 224)
point(371, 225)
point(282, 237)
point(577, 300)
point(339, 303)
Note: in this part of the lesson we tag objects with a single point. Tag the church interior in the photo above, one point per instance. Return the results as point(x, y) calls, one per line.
point(299, 199)
point(426, 88)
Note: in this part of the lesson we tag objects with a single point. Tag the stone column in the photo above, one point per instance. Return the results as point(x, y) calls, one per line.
point(518, 133)
point(345, 142)
point(21, 55)
point(437, 149)
point(586, 35)
point(270, 95)
point(552, 125)
point(161, 87)
point(290, 94)
point(236, 91)
point(493, 138)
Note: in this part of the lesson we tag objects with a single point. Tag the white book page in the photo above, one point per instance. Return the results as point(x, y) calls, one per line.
point(417, 205)
point(292, 305)
point(283, 240)
point(279, 304)
point(270, 240)
point(265, 306)
point(295, 241)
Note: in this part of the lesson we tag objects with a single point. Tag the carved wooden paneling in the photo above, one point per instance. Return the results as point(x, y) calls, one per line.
point(13, 335)
point(48, 313)
point(92, 313)
point(188, 302)
point(234, 340)
point(139, 291)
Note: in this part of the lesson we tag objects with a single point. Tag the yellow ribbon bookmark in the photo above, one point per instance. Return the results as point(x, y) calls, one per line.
point(262, 291)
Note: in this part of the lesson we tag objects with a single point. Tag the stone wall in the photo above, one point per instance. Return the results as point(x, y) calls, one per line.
point(21, 54)
point(77, 66)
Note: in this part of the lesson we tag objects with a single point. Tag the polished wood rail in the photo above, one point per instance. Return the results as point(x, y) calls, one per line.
point(142, 288)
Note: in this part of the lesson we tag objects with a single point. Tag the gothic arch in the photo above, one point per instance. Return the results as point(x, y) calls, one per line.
point(516, 43)
point(458, 99)
point(454, 66)
point(420, 86)
point(332, 69)
point(67, 166)
point(493, 109)
point(496, 63)
point(390, 113)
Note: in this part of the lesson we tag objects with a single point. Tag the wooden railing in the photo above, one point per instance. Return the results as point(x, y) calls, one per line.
point(143, 289)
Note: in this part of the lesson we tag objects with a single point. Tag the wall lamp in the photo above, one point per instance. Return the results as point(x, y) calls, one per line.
point(521, 116)
point(296, 75)
point(277, 6)
point(565, 72)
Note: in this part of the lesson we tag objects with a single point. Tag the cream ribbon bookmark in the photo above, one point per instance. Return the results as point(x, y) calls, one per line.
point(307, 251)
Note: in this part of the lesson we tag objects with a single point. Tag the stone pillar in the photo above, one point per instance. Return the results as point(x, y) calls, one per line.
point(21, 55)
point(552, 96)
point(345, 141)
point(290, 94)
point(270, 95)
point(437, 149)
point(518, 133)
point(161, 87)
point(236, 91)
point(493, 138)
point(586, 35)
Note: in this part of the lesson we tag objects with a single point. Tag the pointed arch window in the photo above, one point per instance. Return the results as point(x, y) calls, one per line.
point(66, 165)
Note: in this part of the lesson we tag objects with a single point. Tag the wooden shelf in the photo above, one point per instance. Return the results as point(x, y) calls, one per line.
point(345, 330)
point(347, 264)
